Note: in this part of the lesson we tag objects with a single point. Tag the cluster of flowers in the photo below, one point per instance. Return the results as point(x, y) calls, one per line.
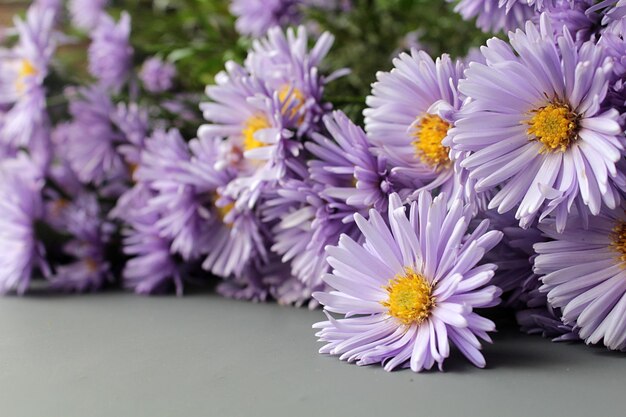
point(497, 179)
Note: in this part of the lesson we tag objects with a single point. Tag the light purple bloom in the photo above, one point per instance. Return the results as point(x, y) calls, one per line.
point(255, 17)
point(83, 219)
point(89, 142)
point(583, 274)
point(21, 206)
point(493, 15)
point(22, 73)
point(110, 53)
point(346, 167)
point(157, 75)
point(409, 114)
point(536, 128)
point(409, 291)
point(86, 14)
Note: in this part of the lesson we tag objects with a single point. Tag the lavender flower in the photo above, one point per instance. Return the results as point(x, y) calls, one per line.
point(21, 206)
point(22, 73)
point(157, 75)
point(583, 274)
point(494, 15)
point(86, 14)
point(110, 53)
point(347, 168)
point(255, 17)
point(409, 292)
point(81, 218)
point(536, 129)
point(152, 267)
point(409, 114)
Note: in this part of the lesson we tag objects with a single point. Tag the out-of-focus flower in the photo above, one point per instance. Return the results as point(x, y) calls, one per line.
point(21, 206)
point(86, 14)
point(157, 75)
point(494, 15)
point(409, 291)
point(110, 53)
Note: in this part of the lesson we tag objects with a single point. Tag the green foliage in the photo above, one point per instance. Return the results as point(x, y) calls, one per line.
point(199, 36)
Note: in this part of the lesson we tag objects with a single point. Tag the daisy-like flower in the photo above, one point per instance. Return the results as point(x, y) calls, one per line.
point(495, 15)
point(583, 271)
point(409, 291)
point(157, 75)
point(21, 206)
point(573, 15)
point(89, 142)
point(152, 268)
point(86, 14)
point(81, 218)
point(347, 168)
point(234, 236)
point(255, 17)
point(23, 70)
point(110, 53)
point(409, 115)
point(536, 129)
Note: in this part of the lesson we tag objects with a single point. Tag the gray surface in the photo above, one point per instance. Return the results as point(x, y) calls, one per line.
point(121, 355)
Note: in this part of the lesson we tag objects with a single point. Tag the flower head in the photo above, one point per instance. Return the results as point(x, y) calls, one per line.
point(408, 292)
point(110, 53)
point(583, 271)
point(86, 14)
point(536, 129)
point(496, 15)
point(157, 75)
point(255, 17)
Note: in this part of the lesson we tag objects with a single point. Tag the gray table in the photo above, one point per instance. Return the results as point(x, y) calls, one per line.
point(119, 355)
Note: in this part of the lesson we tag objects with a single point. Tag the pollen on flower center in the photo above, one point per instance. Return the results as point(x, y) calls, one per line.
point(26, 69)
point(429, 133)
point(618, 241)
point(555, 126)
point(410, 297)
point(291, 98)
point(222, 211)
point(253, 125)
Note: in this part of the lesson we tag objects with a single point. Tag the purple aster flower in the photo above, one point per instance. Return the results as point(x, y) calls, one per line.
point(86, 14)
point(255, 17)
point(535, 127)
point(164, 169)
point(152, 267)
point(89, 142)
point(583, 274)
point(81, 218)
point(21, 206)
point(573, 15)
point(132, 121)
point(22, 73)
point(409, 114)
point(110, 53)
point(157, 75)
point(538, 317)
point(493, 15)
point(346, 166)
point(612, 10)
point(409, 291)
point(235, 234)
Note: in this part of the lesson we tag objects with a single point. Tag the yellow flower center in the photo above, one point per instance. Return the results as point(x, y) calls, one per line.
point(253, 125)
point(618, 241)
point(222, 211)
point(26, 70)
point(428, 134)
point(554, 125)
point(287, 95)
point(92, 265)
point(410, 298)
